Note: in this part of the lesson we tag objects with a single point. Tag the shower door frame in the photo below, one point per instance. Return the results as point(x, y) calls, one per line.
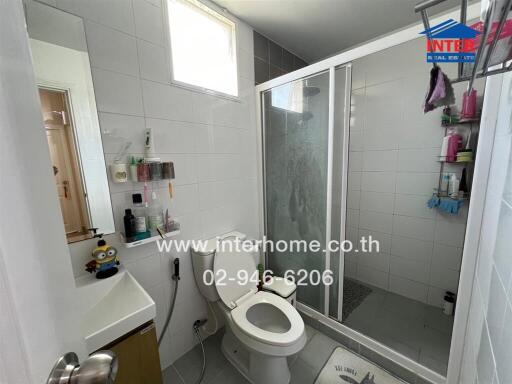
point(469, 258)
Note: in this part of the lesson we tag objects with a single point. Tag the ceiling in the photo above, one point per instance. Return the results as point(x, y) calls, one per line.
point(315, 29)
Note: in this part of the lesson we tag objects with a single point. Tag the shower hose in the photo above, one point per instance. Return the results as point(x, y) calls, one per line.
point(197, 324)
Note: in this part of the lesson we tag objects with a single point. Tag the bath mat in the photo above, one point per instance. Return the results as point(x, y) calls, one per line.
point(354, 294)
point(345, 367)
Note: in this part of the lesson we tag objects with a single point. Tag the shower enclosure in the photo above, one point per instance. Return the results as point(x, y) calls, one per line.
point(348, 154)
point(305, 127)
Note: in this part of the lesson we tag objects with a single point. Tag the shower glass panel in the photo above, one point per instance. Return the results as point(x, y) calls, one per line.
point(296, 133)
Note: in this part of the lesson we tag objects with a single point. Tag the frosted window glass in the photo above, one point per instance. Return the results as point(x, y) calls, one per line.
point(203, 46)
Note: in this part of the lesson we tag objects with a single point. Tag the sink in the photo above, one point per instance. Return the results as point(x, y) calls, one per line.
point(113, 307)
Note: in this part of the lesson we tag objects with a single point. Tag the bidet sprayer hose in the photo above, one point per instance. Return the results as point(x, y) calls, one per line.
point(196, 326)
point(176, 278)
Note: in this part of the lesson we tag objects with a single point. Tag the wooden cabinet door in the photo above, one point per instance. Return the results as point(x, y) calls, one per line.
point(138, 357)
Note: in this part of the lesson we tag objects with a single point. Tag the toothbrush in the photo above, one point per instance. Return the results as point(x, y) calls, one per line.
point(146, 193)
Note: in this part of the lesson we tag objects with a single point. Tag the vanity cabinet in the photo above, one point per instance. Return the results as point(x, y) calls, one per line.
point(138, 357)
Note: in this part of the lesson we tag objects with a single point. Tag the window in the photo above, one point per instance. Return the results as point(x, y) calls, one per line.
point(288, 96)
point(203, 47)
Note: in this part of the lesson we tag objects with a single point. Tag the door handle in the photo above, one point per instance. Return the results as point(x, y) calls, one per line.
point(99, 368)
point(66, 183)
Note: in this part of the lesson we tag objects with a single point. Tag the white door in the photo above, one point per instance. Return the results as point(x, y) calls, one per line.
point(38, 316)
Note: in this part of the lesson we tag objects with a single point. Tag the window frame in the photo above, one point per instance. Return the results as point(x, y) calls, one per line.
point(168, 48)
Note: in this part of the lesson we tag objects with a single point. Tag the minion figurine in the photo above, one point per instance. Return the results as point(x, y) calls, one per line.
point(105, 260)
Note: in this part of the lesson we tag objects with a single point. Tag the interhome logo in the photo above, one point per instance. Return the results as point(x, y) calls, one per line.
point(451, 42)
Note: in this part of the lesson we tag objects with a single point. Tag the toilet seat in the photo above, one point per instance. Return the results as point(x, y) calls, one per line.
point(289, 337)
point(285, 327)
point(233, 285)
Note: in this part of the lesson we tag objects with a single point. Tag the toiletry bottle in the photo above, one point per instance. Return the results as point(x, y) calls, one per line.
point(139, 211)
point(469, 104)
point(445, 180)
point(454, 144)
point(463, 186)
point(155, 213)
point(449, 303)
point(133, 169)
point(129, 224)
point(444, 148)
point(453, 189)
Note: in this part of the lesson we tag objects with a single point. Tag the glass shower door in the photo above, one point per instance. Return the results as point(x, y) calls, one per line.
point(296, 136)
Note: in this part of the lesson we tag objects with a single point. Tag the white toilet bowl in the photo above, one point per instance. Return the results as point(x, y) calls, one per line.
point(262, 329)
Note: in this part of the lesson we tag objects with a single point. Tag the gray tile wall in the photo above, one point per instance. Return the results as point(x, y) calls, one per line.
point(488, 344)
point(271, 60)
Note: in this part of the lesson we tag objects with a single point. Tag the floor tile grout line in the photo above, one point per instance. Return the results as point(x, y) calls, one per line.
point(178, 373)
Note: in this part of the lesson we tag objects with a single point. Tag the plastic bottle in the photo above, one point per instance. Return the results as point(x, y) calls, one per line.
point(449, 303)
point(454, 144)
point(444, 148)
point(454, 186)
point(129, 224)
point(139, 211)
point(445, 180)
point(155, 213)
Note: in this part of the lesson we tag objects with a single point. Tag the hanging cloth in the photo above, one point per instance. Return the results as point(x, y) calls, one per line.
point(440, 92)
point(449, 94)
point(433, 80)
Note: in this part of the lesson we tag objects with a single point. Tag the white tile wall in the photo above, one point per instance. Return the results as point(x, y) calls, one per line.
point(210, 139)
point(488, 344)
point(393, 168)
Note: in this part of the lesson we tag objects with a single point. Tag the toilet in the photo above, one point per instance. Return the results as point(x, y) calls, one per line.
point(262, 328)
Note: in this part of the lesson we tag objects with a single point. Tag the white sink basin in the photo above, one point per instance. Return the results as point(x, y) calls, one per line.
point(113, 307)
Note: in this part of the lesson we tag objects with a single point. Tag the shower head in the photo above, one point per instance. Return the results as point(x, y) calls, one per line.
point(308, 91)
point(306, 116)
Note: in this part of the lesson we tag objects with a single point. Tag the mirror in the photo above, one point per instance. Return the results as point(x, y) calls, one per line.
point(68, 106)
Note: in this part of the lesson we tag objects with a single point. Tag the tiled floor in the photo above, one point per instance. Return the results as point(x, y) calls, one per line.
point(304, 367)
point(416, 330)
point(412, 328)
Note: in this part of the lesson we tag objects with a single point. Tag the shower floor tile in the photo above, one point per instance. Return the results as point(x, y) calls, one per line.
point(416, 330)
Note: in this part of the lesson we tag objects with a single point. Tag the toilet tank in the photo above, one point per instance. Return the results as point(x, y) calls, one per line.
point(202, 259)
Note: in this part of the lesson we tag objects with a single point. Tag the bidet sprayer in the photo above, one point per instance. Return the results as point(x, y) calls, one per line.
point(176, 275)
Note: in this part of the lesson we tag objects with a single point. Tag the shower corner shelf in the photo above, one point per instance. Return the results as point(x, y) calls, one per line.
point(149, 240)
point(469, 121)
point(445, 195)
point(456, 162)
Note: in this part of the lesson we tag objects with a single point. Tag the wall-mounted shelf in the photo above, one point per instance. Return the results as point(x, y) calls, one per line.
point(456, 162)
point(445, 195)
point(149, 240)
point(475, 120)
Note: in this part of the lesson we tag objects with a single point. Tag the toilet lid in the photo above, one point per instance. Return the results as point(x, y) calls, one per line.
point(236, 276)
